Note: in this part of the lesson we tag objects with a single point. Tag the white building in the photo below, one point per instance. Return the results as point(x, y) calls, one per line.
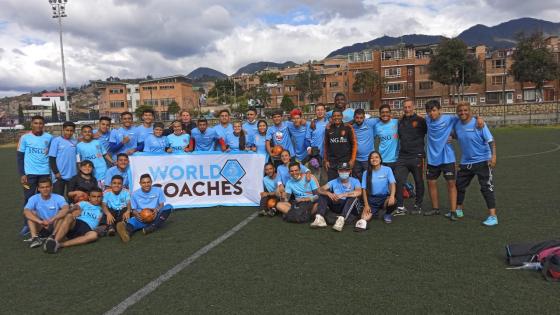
point(133, 96)
point(46, 101)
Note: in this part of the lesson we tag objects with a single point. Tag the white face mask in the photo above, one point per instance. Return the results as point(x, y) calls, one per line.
point(344, 175)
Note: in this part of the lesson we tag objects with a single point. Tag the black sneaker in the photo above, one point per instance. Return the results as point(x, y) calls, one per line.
point(452, 216)
point(149, 229)
point(111, 231)
point(36, 242)
point(416, 211)
point(50, 246)
point(431, 212)
point(271, 212)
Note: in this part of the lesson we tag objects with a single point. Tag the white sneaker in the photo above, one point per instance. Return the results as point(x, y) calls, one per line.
point(319, 222)
point(339, 224)
point(361, 225)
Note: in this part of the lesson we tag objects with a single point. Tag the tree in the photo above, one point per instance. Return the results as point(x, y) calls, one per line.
point(309, 83)
point(368, 81)
point(287, 104)
point(173, 108)
point(268, 77)
point(54, 112)
point(21, 118)
point(140, 109)
point(452, 65)
point(260, 94)
point(224, 90)
point(533, 62)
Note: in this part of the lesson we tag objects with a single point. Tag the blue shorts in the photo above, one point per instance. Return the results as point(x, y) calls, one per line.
point(138, 225)
point(376, 202)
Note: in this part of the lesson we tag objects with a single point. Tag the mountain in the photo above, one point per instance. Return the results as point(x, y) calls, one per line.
point(206, 74)
point(259, 66)
point(498, 36)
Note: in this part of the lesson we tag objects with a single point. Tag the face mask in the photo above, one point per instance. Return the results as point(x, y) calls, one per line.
point(344, 175)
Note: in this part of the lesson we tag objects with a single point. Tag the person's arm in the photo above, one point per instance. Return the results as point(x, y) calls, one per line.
point(54, 167)
point(140, 146)
point(493, 160)
point(64, 210)
point(191, 145)
point(30, 215)
point(108, 216)
point(126, 214)
point(326, 149)
point(392, 192)
point(354, 144)
point(325, 190)
point(222, 144)
point(20, 158)
point(352, 194)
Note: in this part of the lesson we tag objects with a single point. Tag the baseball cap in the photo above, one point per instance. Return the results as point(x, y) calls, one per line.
point(344, 166)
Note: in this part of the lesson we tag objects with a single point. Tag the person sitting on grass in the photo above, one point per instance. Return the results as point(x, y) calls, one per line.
point(92, 150)
point(378, 191)
point(44, 212)
point(115, 205)
point(81, 184)
point(147, 197)
point(340, 196)
point(78, 229)
point(122, 168)
point(156, 142)
point(179, 140)
point(305, 192)
point(270, 183)
point(283, 171)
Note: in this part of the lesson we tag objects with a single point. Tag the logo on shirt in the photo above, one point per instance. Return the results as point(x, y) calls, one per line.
point(278, 136)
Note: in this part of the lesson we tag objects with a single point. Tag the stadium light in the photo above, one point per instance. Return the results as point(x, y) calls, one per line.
point(58, 12)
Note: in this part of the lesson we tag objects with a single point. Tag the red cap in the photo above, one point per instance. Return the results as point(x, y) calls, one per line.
point(295, 112)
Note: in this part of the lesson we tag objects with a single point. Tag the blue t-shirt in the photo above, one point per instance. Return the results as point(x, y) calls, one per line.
point(338, 187)
point(301, 188)
point(280, 135)
point(155, 144)
point(347, 115)
point(143, 132)
point(473, 142)
point(151, 199)
point(439, 130)
point(118, 201)
point(36, 149)
point(316, 137)
point(251, 128)
point(178, 143)
point(259, 141)
point(204, 141)
point(117, 136)
point(365, 135)
point(270, 184)
point(388, 140)
point(380, 181)
point(103, 138)
point(114, 170)
point(90, 214)
point(223, 131)
point(232, 142)
point(45, 209)
point(94, 152)
point(283, 173)
point(298, 138)
point(64, 150)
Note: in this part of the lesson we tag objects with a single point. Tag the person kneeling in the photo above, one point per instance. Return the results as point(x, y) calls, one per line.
point(378, 192)
point(340, 196)
point(78, 230)
point(305, 193)
point(148, 199)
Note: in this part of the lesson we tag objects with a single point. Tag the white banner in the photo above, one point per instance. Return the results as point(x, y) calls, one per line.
point(203, 179)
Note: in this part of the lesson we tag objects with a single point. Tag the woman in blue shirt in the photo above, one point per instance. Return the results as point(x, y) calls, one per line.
point(259, 139)
point(378, 191)
point(238, 140)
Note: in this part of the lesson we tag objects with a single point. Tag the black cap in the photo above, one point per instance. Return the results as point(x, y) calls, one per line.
point(343, 166)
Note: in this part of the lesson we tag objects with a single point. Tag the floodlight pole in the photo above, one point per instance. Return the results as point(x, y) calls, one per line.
point(58, 7)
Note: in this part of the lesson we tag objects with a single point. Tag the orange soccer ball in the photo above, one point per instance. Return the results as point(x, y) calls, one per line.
point(271, 203)
point(147, 215)
point(81, 196)
point(276, 150)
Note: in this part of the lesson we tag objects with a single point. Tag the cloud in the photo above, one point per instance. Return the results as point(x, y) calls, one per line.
point(18, 52)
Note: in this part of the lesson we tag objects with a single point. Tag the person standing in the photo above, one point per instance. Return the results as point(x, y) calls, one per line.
point(147, 127)
point(125, 138)
point(62, 158)
point(103, 131)
point(365, 136)
point(412, 131)
point(340, 145)
point(478, 158)
point(251, 124)
point(32, 157)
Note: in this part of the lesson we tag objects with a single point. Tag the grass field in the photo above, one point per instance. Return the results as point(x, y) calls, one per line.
point(415, 265)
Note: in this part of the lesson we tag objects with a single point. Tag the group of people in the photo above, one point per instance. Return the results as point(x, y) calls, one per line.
point(341, 162)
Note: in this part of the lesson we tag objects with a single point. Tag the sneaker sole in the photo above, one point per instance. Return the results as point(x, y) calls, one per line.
point(123, 234)
point(50, 246)
point(318, 226)
point(338, 229)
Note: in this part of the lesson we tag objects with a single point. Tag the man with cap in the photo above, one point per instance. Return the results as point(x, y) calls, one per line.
point(340, 196)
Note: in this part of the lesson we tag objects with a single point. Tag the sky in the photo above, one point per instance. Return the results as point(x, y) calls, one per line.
point(134, 38)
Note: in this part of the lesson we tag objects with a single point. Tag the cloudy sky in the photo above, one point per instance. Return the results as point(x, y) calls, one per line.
point(133, 38)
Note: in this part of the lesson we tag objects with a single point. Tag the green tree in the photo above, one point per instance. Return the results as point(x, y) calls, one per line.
point(140, 109)
point(54, 112)
point(287, 104)
point(173, 108)
point(259, 93)
point(224, 91)
point(309, 83)
point(368, 82)
point(453, 65)
point(533, 61)
point(268, 77)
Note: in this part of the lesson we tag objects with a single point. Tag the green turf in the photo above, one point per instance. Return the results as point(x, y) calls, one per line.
point(415, 265)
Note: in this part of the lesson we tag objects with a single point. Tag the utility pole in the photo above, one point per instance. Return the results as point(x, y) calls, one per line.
point(59, 11)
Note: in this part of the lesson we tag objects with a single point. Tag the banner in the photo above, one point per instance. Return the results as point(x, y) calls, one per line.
point(203, 179)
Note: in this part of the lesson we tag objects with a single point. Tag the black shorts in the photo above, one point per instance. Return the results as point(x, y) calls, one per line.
point(80, 229)
point(300, 212)
point(448, 171)
point(46, 232)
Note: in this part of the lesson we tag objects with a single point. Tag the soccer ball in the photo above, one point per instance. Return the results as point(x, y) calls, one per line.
point(147, 215)
point(271, 203)
point(277, 150)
